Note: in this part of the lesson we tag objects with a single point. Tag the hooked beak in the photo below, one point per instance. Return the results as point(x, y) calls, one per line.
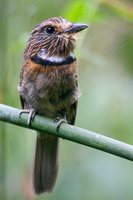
point(76, 28)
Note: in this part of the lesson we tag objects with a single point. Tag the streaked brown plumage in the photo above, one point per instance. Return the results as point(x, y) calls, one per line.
point(48, 84)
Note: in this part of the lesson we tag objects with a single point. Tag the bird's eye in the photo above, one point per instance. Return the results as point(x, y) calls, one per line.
point(50, 30)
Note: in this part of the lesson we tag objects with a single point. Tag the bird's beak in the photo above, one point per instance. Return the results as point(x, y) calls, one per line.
point(76, 28)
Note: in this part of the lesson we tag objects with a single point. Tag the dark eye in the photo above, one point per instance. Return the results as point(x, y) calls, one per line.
point(50, 30)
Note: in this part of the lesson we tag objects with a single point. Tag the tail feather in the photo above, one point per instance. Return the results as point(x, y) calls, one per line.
point(46, 163)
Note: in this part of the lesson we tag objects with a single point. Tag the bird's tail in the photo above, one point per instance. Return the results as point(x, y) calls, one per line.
point(46, 163)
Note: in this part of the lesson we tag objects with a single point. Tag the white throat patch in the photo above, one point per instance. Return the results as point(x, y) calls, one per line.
point(55, 59)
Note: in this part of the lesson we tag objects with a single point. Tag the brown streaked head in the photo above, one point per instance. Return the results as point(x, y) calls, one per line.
point(55, 35)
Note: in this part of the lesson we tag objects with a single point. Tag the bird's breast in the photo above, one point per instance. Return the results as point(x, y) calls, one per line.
point(51, 88)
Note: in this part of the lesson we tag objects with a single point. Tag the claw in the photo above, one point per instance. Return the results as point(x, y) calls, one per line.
point(59, 121)
point(31, 116)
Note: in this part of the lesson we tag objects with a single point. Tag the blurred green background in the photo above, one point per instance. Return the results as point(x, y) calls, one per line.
point(105, 63)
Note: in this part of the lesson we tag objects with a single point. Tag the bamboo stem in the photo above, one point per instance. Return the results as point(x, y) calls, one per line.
point(69, 132)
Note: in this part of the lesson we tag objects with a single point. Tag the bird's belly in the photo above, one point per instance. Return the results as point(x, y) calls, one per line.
point(49, 97)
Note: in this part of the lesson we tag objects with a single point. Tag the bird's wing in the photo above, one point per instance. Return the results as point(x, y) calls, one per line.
point(22, 101)
point(71, 115)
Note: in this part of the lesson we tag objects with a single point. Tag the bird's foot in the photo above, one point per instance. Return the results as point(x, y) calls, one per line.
point(59, 121)
point(31, 116)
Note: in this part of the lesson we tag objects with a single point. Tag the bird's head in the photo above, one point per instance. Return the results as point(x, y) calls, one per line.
point(55, 36)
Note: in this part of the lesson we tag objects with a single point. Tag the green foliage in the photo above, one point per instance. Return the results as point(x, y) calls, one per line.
point(81, 9)
point(104, 55)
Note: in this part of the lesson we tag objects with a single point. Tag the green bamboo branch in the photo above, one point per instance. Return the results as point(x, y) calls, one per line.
point(66, 131)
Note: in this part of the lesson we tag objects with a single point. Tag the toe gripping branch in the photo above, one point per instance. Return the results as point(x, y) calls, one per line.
point(59, 121)
point(31, 116)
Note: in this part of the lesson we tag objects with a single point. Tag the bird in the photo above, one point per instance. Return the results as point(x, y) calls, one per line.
point(49, 87)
